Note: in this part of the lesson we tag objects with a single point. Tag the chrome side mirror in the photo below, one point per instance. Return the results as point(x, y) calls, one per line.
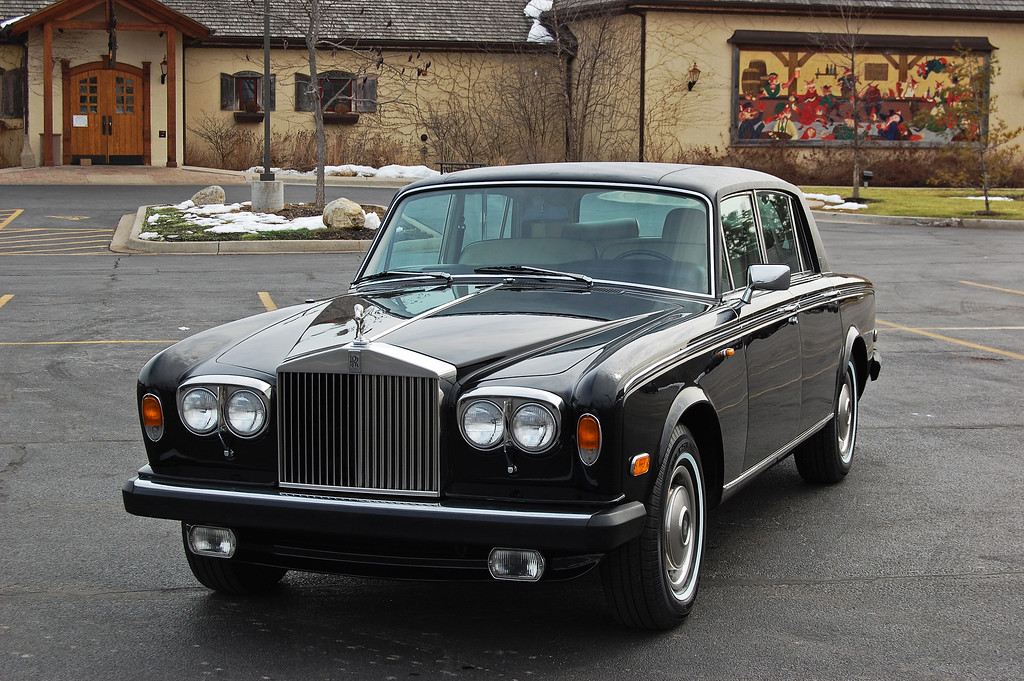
point(765, 278)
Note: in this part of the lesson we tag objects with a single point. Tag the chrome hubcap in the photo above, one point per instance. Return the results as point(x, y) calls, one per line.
point(679, 535)
point(846, 413)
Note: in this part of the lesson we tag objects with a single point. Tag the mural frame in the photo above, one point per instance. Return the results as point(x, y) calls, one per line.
point(897, 76)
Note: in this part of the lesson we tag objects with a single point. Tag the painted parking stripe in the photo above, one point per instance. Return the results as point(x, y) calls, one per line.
point(95, 342)
point(4, 299)
point(267, 301)
point(994, 288)
point(936, 336)
point(7, 216)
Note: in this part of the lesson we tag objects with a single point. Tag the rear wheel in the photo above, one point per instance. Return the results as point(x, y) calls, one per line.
point(651, 582)
point(229, 576)
point(828, 455)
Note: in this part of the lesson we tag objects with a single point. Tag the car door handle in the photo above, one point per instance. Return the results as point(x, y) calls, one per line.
point(791, 310)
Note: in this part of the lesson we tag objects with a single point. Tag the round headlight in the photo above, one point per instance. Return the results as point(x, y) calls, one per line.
point(483, 424)
point(199, 410)
point(246, 413)
point(533, 427)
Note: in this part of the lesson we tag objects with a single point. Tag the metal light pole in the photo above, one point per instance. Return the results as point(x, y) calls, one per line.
point(267, 175)
point(268, 193)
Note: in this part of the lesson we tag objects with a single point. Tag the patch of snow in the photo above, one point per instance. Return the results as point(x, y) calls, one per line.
point(539, 34)
point(982, 198)
point(352, 170)
point(147, 236)
point(845, 206)
point(825, 198)
point(538, 7)
point(407, 172)
point(535, 9)
point(8, 22)
point(349, 170)
point(372, 221)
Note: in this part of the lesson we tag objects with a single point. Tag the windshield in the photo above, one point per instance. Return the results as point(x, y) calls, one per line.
point(632, 236)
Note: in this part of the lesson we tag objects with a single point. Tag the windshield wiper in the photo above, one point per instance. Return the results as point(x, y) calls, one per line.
point(538, 271)
point(405, 274)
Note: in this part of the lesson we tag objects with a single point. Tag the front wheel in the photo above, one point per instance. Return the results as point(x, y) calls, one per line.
point(828, 455)
point(229, 576)
point(651, 582)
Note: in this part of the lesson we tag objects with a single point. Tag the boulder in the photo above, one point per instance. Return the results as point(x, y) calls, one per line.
point(344, 214)
point(212, 194)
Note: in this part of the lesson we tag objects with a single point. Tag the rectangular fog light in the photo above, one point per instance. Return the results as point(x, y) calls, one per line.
point(218, 542)
point(521, 565)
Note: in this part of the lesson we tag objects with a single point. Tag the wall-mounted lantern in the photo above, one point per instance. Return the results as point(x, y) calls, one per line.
point(163, 71)
point(692, 76)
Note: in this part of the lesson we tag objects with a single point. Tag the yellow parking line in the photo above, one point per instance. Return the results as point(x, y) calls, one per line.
point(994, 288)
point(10, 218)
point(929, 334)
point(4, 299)
point(268, 302)
point(98, 342)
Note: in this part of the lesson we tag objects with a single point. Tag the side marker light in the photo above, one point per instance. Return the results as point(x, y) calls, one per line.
point(640, 464)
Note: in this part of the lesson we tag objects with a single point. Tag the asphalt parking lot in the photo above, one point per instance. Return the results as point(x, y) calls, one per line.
point(912, 568)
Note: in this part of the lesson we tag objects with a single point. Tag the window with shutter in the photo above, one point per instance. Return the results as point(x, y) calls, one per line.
point(366, 95)
point(228, 101)
point(12, 95)
point(303, 92)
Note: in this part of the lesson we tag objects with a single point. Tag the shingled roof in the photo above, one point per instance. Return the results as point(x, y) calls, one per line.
point(371, 22)
point(491, 22)
point(958, 9)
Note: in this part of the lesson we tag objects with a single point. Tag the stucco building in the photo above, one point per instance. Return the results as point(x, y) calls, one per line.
point(148, 82)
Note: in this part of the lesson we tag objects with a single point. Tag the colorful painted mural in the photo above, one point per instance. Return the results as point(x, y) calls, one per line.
point(808, 96)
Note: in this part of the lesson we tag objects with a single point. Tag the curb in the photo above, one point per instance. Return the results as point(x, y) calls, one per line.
point(954, 223)
point(336, 180)
point(129, 227)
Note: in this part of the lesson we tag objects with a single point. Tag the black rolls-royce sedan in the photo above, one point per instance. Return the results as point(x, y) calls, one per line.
point(537, 370)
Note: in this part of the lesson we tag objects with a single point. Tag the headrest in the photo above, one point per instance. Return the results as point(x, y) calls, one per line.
point(686, 225)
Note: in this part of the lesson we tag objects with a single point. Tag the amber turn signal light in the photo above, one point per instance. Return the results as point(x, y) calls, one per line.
point(640, 464)
point(153, 417)
point(152, 414)
point(588, 439)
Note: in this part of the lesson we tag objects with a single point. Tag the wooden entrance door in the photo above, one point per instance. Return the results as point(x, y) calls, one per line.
point(106, 112)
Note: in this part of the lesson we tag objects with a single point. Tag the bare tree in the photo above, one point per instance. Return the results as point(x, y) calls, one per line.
point(965, 110)
point(846, 48)
point(322, 23)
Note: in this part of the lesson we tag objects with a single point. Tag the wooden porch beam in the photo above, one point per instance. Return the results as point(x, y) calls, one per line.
point(172, 98)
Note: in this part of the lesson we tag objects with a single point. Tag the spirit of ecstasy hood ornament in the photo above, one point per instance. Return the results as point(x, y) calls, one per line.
point(358, 314)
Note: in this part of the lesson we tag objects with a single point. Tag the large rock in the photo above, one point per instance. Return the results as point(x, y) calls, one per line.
point(344, 214)
point(212, 194)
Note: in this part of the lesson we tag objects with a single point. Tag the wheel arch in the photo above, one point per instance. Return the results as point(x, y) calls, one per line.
point(856, 350)
point(694, 410)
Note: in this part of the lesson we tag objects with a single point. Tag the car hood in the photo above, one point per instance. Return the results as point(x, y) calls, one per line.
point(468, 328)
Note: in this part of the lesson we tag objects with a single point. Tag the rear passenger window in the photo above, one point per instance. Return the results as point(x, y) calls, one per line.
point(779, 228)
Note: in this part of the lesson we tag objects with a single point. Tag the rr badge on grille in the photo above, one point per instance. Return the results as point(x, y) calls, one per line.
point(354, 362)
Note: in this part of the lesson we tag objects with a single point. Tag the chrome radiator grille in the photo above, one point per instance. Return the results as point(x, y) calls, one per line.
point(356, 432)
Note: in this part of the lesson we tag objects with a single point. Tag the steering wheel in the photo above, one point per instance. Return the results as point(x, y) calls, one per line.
point(643, 252)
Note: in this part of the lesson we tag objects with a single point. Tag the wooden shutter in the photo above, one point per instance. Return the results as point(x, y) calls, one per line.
point(303, 92)
point(366, 94)
point(228, 99)
point(12, 96)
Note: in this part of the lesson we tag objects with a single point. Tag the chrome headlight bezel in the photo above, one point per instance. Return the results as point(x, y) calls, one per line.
point(519, 428)
point(224, 389)
point(210, 406)
point(487, 408)
point(258, 411)
point(511, 402)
